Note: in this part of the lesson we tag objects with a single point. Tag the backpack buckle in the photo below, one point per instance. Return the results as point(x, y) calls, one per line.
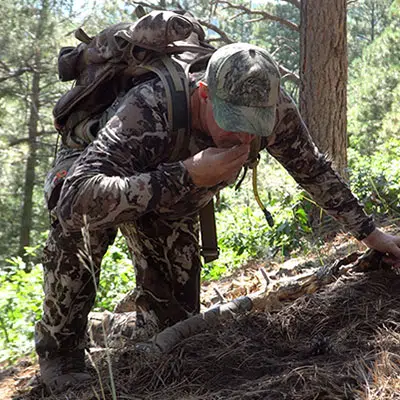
point(209, 254)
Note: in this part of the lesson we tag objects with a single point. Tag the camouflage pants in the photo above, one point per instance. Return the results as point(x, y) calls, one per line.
point(167, 263)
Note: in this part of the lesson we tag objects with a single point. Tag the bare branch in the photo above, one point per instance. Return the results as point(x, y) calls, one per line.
point(5, 66)
point(237, 15)
point(16, 142)
point(16, 73)
point(287, 74)
point(224, 37)
point(264, 15)
point(250, 21)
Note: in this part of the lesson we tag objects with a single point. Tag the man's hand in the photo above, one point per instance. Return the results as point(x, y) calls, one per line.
point(215, 165)
point(385, 243)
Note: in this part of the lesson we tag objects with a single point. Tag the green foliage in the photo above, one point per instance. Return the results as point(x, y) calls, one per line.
point(21, 296)
point(117, 276)
point(367, 19)
point(374, 93)
point(20, 306)
point(374, 122)
point(376, 180)
point(243, 232)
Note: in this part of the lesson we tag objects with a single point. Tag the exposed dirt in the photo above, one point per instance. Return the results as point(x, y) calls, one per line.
point(340, 343)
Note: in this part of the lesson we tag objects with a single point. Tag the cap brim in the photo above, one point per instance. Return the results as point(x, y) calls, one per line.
point(232, 118)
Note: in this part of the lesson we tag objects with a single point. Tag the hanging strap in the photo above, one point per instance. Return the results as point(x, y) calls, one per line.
point(267, 214)
point(209, 243)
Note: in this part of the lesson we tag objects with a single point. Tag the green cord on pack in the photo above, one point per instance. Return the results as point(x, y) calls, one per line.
point(267, 214)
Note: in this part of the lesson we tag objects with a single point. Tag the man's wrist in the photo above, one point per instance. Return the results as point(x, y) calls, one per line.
point(367, 229)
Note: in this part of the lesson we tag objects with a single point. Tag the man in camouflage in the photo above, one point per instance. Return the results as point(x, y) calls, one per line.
point(125, 179)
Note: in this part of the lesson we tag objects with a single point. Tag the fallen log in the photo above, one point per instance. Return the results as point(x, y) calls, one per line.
point(270, 299)
point(266, 300)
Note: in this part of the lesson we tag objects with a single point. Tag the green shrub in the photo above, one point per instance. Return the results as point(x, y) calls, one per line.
point(117, 276)
point(20, 306)
point(376, 180)
point(243, 232)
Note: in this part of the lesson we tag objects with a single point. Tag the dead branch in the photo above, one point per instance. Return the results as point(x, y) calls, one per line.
point(259, 19)
point(167, 339)
point(16, 142)
point(287, 74)
point(266, 301)
point(223, 36)
point(16, 73)
point(264, 15)
point(237, 16)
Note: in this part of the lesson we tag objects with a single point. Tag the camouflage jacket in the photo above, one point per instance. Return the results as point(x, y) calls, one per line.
point(126, 173)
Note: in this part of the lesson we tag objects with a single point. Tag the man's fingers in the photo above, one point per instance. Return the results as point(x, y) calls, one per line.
point(234, 158)
point(236, 164)
point(384, 243)
point(226, 156)
point(214, 165)
point(394, 250)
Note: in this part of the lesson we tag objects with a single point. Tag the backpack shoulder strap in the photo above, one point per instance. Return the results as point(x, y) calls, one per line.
point(176, 86)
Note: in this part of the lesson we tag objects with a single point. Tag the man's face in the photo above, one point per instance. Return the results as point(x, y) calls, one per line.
point(222, 138)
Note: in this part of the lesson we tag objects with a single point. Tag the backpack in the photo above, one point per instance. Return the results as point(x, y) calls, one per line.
point(165, 43)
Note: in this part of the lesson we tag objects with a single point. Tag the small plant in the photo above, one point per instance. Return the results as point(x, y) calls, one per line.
point(20, 307)
point(376, 182)
point(244, 234)
point(117, 276)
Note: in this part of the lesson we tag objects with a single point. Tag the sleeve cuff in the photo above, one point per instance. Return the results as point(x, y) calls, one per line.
point(365, 229)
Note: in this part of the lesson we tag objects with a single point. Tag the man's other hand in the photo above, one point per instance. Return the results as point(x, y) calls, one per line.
point(385, 243)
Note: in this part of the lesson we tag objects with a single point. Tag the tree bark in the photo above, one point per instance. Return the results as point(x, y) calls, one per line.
point(27, 206)
point(323, 76)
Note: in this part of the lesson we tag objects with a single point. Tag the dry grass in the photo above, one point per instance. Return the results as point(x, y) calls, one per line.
point(340, 343)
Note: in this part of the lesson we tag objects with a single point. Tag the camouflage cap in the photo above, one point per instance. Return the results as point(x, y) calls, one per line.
point(243, 83)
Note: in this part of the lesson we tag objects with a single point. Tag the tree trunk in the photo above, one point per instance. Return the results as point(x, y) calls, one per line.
point(27, 207)
point(373, 22)
point(27, 214)
point(323, 73)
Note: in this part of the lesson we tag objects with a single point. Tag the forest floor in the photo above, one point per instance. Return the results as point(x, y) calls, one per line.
point(342, 342)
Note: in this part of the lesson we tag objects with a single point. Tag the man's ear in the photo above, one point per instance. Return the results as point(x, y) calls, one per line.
point(203, 90)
